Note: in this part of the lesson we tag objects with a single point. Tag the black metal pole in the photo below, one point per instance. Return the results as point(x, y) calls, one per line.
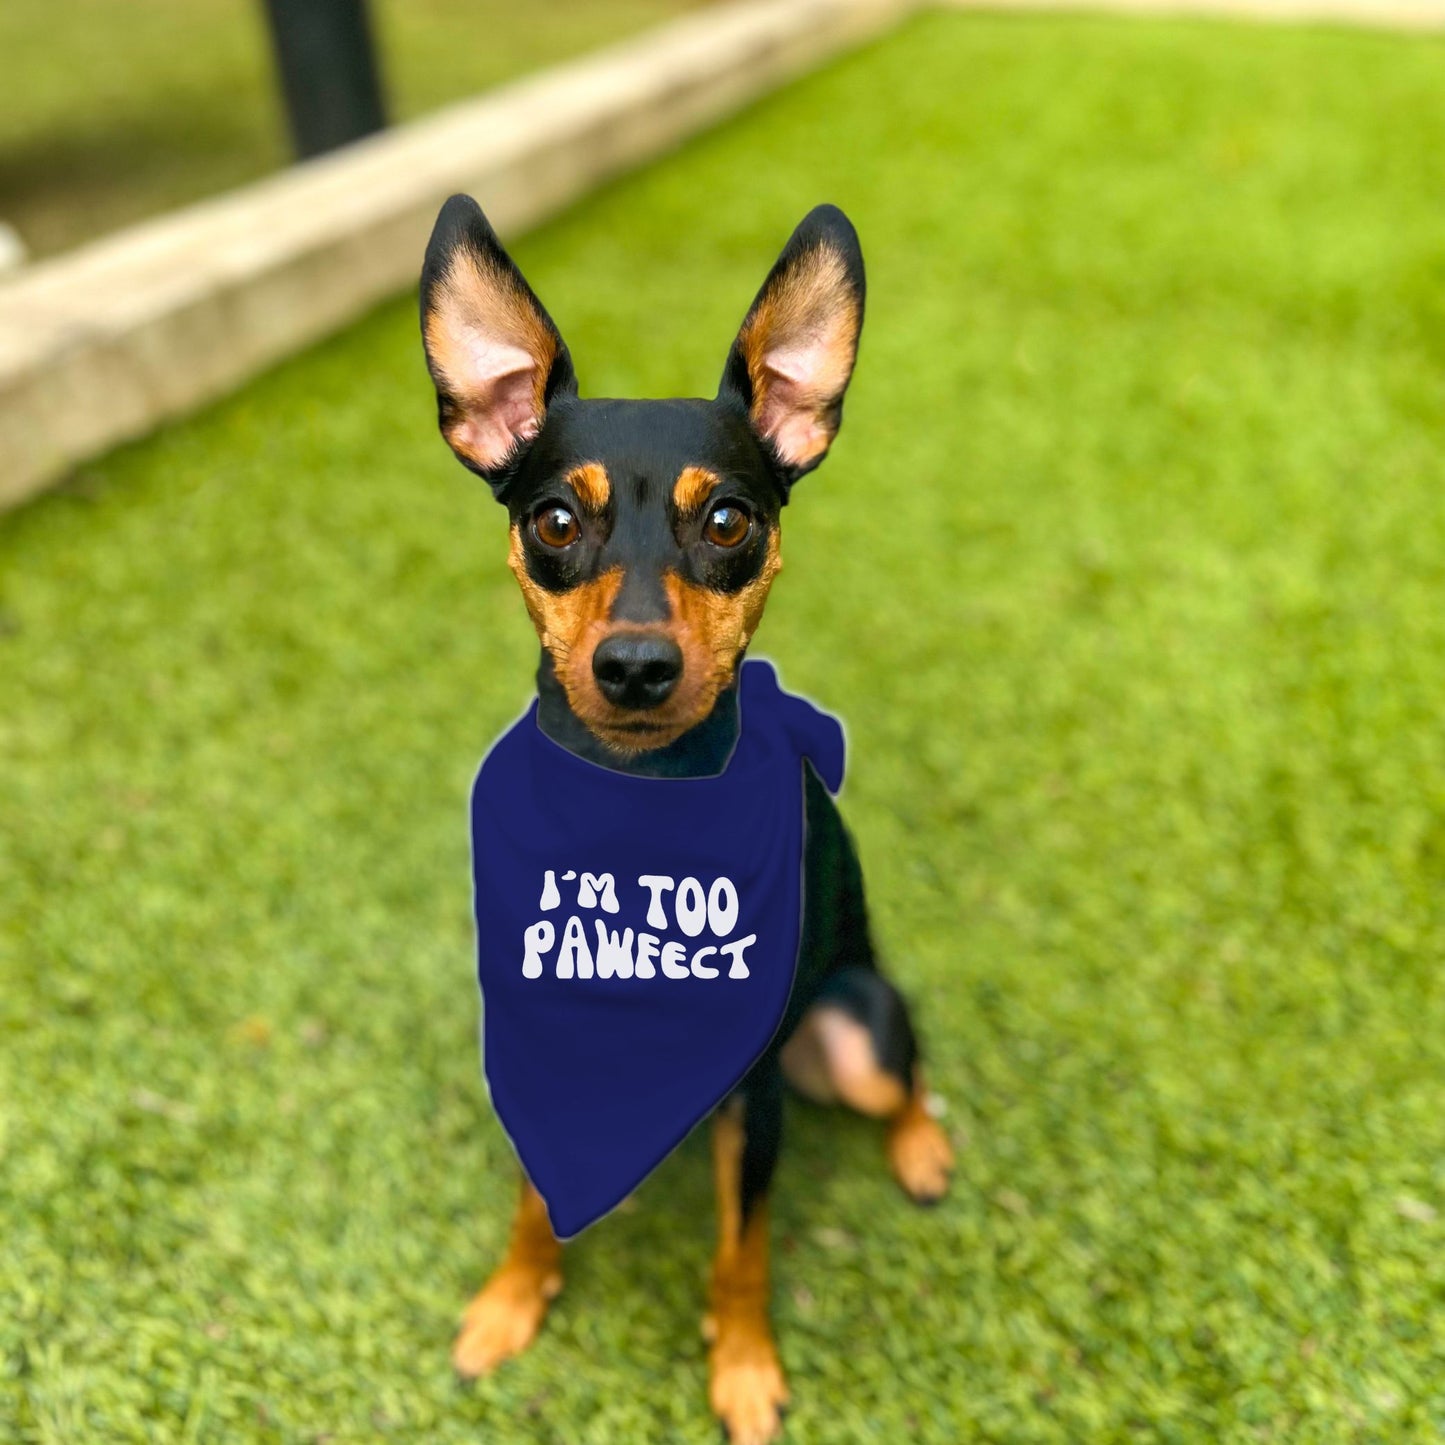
point(328, 69)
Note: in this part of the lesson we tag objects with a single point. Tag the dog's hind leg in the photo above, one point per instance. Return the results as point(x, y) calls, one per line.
point(505, 1317)
point(746, 1385)
point(856, 1046)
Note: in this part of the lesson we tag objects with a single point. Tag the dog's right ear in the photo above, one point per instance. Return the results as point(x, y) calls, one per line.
point(493, 352)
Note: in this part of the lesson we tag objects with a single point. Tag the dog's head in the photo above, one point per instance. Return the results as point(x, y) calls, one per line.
point(644, 534)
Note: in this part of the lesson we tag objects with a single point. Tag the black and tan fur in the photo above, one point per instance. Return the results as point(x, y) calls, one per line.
point(645, 536)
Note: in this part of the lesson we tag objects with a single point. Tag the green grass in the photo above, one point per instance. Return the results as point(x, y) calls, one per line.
point(1128, 574)
point(112, 110)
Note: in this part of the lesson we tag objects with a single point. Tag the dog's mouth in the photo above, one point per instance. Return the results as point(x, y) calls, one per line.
point(627, 727)
point(634, 732)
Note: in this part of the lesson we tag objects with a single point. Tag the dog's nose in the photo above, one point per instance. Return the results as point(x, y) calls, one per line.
point(637, 669)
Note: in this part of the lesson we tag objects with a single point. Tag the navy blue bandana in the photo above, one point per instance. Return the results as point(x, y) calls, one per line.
point(636, 939)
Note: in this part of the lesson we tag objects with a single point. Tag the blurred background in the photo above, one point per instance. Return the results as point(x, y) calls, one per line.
point(114, 112)
point(1126, 574)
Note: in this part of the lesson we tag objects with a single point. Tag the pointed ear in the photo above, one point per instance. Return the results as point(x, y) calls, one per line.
point(793, 357)
point(493, 352)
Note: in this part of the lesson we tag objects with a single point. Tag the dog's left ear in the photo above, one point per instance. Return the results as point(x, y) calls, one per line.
point(496, 358)
point(792, 360)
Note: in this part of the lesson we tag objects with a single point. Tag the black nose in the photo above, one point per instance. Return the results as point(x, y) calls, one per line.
point(637, 669)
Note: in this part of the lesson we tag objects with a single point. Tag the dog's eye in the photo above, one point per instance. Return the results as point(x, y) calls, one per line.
point(555, 527)
point(727, 526)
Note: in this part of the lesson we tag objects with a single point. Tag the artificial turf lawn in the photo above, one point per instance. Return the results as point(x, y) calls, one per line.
point(111, 110)
point(1128, 574)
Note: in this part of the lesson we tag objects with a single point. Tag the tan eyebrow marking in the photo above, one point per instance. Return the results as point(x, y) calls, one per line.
point(592, 485)
point(692, 487)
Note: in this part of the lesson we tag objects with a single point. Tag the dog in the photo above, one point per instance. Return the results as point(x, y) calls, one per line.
point(645, 536)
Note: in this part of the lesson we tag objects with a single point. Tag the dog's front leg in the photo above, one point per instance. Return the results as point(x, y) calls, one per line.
point(505, 1317)
point(746, 1379)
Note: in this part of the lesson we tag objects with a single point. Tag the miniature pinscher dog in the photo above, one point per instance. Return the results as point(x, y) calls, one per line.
point(645, 537)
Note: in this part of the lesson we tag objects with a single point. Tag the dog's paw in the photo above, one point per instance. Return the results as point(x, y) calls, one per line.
point(746, 1388)
point(503, 1319)
point(920, 1155)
